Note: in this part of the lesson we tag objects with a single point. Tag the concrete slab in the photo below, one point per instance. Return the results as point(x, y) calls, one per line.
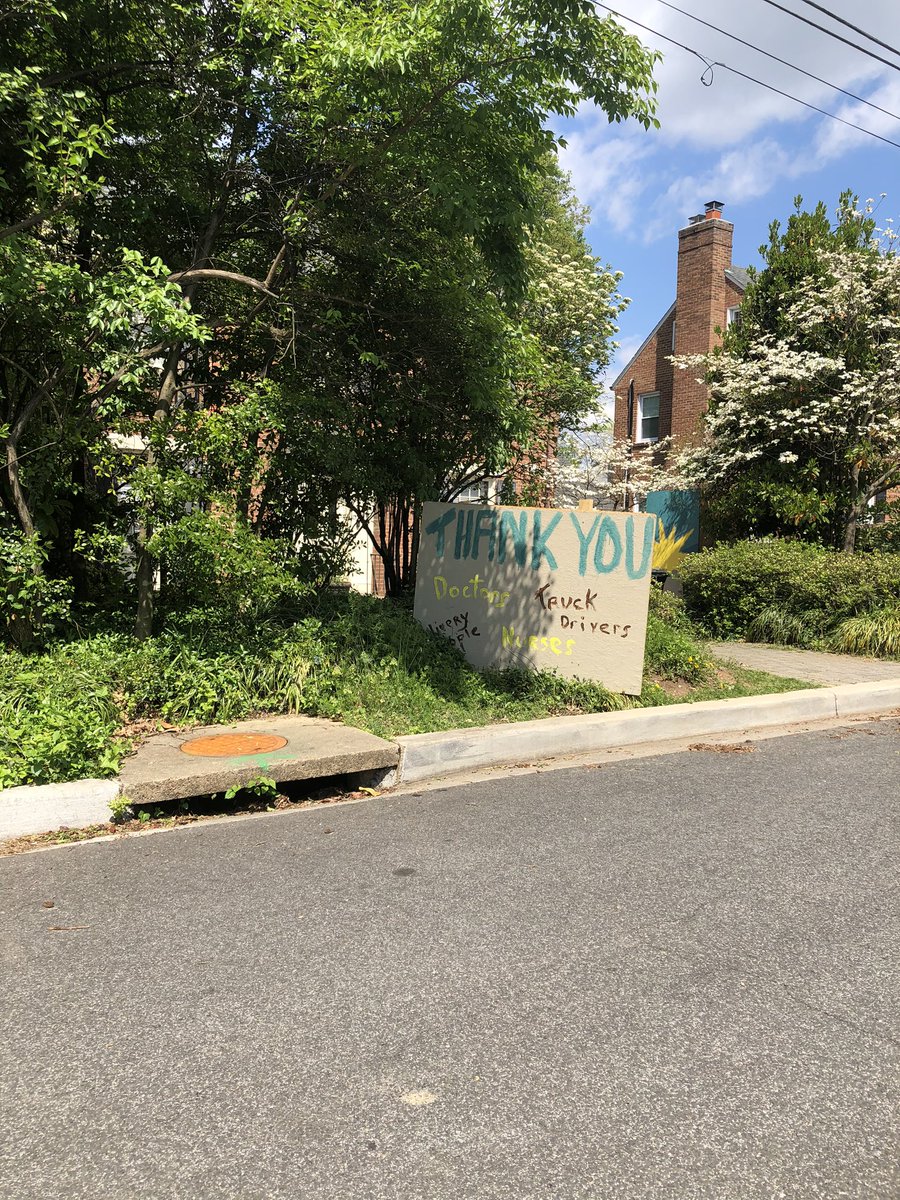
point(162, 770)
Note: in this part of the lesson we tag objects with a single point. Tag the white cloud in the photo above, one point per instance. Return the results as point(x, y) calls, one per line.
point(732, 108)
point(636, 182)
point(607, 172)
point(834, 140)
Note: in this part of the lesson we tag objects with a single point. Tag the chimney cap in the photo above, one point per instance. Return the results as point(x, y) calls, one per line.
point(713, 208)
point(696, 219)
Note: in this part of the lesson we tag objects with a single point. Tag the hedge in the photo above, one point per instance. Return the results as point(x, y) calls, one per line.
point(760, 589)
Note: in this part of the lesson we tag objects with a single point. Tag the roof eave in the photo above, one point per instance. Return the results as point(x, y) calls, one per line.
point(643, 346)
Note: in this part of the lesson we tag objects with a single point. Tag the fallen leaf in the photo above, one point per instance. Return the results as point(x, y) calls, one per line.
point(48, 904)
point(65, 928)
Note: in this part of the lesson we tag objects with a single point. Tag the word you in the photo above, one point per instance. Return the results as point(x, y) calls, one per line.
point(471, 590)
point(525, 535)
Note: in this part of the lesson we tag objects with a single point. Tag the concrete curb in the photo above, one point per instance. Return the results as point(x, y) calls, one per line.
point(852, 699)
point(426, 756)
point(48, 806)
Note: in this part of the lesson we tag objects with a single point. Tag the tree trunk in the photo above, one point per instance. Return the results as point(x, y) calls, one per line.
point(852, 525)
point(143, 620)
point(857, 508)
point(15, 486)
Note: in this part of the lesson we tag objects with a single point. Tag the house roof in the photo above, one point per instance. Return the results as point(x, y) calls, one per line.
point(739, 276)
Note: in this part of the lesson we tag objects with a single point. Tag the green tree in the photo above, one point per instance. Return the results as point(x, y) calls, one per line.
point(230, 207)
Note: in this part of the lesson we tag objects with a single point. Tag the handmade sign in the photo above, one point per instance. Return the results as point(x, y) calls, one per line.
point(543, 588)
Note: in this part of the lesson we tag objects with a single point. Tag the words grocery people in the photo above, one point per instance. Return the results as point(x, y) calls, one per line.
point(539, 588)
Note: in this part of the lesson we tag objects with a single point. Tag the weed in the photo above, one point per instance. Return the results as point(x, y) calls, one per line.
point(788, 591)
point(260, 786)
point(352, 658)
point(120, 808)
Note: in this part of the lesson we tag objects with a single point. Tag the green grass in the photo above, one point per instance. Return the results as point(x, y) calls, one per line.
point(356, 659)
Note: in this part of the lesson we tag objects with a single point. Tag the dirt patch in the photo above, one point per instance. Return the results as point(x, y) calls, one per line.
point(138, 731)
point(724, 747)
point(676, 688)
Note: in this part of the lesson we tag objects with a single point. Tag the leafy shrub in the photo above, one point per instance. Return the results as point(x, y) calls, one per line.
point(670, 609)
point(32, 605)
point(57, 721)
point(356, 658)
point(753, 588)
point(214, 559)
point(674, 653)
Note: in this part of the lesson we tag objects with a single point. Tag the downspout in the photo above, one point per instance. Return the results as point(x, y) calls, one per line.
point(631, 410)
point(631, 435)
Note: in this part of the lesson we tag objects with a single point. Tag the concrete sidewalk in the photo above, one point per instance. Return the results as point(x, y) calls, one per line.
point(806, 664)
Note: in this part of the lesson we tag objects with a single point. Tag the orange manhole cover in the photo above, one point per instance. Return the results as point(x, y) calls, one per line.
point(228, 745)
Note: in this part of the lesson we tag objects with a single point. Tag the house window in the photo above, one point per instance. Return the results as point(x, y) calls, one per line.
point(473, 493)
point(648, 418)
point(673, 335)
point(733, 316)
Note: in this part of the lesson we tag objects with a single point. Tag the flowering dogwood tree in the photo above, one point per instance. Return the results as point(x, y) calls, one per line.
point(592, 465)
point(813, 412)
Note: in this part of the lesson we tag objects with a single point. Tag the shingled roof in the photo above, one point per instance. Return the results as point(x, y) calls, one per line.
point(739, 276)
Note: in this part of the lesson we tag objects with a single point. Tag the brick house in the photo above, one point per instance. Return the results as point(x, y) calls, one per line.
point(652, 399)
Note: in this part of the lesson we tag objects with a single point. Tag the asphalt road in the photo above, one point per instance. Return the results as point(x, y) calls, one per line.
point(668, 977)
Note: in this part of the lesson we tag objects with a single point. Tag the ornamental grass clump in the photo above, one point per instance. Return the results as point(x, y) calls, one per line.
point(876, 634)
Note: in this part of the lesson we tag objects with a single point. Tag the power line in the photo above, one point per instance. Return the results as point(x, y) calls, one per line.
point(856, 29)
point(793, 66)
point(710, 67)
point(784, 62)
point(839, 37)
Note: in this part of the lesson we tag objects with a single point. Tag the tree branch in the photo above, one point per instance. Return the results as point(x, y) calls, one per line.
point(201, 273)
point(38, 218)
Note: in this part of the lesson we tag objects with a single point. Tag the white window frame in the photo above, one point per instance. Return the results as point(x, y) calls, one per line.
point(732, 315)
point(473, 493)
point(641, 416)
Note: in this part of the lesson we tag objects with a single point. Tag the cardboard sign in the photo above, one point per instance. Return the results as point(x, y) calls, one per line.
point(542, 588)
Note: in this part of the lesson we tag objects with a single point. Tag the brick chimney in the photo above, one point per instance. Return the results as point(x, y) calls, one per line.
point(701, 299)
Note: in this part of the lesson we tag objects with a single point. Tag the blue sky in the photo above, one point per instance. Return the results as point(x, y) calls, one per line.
point(733, 141)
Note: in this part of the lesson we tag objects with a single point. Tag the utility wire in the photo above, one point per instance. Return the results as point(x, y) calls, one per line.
point(856, 29)
point(710, 68)
point(839, 37)
point(784, 62)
